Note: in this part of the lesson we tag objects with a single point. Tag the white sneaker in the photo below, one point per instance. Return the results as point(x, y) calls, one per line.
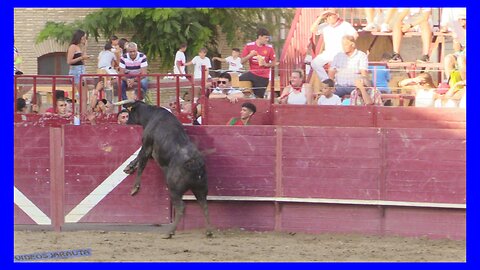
point(370, 27)
point(385, 28)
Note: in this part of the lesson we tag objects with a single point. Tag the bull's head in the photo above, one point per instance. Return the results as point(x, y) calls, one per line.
point(132, 107)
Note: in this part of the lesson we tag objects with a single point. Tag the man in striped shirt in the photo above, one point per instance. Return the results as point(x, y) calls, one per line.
point(133, 63)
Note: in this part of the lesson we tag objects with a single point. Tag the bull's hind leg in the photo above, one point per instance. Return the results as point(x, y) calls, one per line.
point(179, 207)
point(142, 157)
point(201, 195)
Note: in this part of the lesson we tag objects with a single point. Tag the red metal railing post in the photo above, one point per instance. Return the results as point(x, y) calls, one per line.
point(139, 86)
point(192, 99)
point(272, 85)
point(158, 90)
point(15, 93)
point(177, 94)
point(54, 94)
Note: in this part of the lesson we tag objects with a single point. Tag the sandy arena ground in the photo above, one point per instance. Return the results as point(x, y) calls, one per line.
point(238, 245)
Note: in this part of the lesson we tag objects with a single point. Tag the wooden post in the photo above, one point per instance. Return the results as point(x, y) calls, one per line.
point(57, 177)
point(278, 177)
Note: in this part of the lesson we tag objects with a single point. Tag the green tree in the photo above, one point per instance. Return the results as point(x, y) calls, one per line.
point(159, 31)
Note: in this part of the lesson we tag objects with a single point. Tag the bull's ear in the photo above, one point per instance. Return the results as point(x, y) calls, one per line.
point(129, 108)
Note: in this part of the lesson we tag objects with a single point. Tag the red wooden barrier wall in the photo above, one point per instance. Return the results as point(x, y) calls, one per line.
point(254, 172)
point(32, 169)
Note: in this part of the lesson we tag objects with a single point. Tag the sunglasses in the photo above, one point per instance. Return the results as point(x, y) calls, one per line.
point(222, 82)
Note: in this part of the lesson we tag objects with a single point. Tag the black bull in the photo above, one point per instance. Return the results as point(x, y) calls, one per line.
point(183, 165)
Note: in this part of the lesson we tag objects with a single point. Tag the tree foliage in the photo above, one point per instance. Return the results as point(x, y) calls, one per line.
point(159, 31)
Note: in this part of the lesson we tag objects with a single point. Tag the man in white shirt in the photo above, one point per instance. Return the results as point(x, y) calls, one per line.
point(347, 67)
point(333, 32)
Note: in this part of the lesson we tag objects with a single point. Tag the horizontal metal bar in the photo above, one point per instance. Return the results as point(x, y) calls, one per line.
point(330, 201)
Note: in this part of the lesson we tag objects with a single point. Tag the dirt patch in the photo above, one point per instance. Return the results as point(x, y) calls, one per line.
point(239, 245)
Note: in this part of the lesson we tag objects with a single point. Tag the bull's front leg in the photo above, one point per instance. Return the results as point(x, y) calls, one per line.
point(131, 167)
point(141, 161)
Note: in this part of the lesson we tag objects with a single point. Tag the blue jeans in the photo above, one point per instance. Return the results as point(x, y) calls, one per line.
point(144, 86)
point(342, 90)
point(76, 71)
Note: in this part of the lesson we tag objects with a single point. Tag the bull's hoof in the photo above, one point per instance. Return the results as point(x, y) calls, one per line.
point(168, 235)
point(135, 189)
point(209, 234)
point(129, 169)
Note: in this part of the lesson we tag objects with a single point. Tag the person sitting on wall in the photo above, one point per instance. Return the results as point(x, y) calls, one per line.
point(248, 110)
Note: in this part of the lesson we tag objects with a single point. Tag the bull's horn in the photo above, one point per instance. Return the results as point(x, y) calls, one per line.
point(126, 101)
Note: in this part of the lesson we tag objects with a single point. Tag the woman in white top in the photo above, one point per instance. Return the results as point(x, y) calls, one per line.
point(297, 92)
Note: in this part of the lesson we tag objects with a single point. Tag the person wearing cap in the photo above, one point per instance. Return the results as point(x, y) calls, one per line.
point(248, 109)
point(333, 32)
point(261, 57)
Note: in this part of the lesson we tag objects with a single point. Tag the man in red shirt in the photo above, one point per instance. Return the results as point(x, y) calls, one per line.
point(248, 109)
point(261, 57)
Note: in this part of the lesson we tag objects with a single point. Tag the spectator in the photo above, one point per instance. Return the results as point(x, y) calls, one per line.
point(308, 60)
point(261, 57)
point(122, 117)
point(347, 67)
point(60, 108)
point(333, 33)
point(382, 20)
point(248, 109)
point(453, 97)
point(133, 63)
point(180, 60)
point(297, 92)
point(449, 20)
point(22, 107)
point(106, 63)
point(77, 54)
point(95, 94)
point(17, 60)
point(114, 41)
point(120, 50)
point(107, 59)
point(328, 97)
point(455, 64)
point(234, 61)
point(423, 89)
point(370, 16)
point(198, 61)
point(364, 94)
point(381, 75)
point(224, 89)
point(417, 18)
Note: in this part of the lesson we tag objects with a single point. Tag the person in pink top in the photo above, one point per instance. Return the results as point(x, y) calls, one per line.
point(261, 57)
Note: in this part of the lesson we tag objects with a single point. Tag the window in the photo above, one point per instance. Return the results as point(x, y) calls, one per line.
point(53, 64)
